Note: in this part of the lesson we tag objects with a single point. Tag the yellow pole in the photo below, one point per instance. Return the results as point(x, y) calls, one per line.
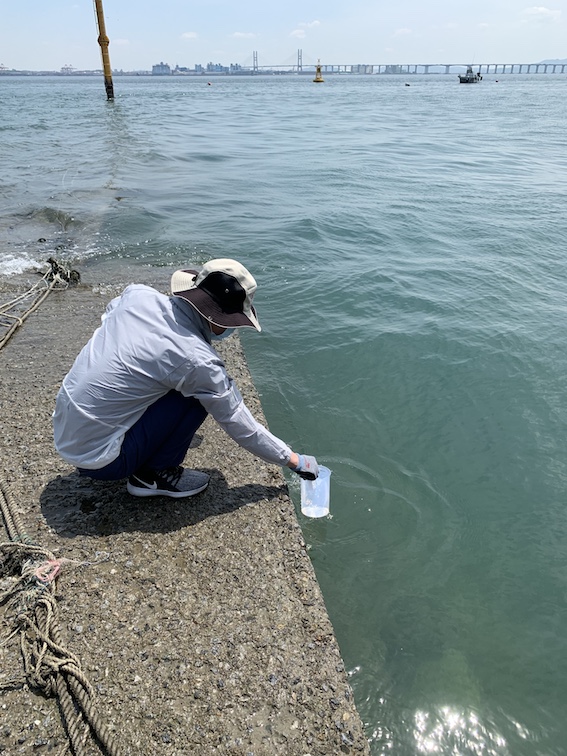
point(104, 42)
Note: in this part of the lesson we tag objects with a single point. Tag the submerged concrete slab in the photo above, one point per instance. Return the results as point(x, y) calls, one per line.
point(200, 623)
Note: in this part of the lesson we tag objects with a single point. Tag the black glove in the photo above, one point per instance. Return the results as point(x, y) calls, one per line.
point(308, 469)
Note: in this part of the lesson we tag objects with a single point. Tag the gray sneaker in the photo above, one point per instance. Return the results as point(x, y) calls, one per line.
point(175, 482)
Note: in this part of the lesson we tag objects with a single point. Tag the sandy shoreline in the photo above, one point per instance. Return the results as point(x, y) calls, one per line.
point(201, 625)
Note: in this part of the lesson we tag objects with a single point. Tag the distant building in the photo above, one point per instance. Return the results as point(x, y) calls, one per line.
point(161, 69)
point(216, 68)
point(361, 68)
point(184, 71)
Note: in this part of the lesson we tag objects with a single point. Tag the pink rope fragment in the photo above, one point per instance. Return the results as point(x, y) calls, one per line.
point(48, 571)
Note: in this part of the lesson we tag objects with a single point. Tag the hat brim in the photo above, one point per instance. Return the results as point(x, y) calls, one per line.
point(211, 311)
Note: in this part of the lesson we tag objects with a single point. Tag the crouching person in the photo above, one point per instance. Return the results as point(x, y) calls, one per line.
point(137, 392)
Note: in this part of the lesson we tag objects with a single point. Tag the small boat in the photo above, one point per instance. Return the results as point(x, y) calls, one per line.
point(470, 77)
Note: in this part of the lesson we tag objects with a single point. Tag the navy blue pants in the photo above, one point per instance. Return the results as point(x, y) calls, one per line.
point(159, 439)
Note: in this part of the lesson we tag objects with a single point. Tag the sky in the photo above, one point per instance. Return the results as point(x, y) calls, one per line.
point(48, 34)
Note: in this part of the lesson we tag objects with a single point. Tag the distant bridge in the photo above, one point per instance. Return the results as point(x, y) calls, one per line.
point(417, 68)
point(409, 68)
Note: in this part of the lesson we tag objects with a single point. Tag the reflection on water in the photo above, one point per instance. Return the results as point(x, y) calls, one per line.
point(449, 731)
point(445, 730)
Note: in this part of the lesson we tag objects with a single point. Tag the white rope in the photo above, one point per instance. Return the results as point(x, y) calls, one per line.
point(21, 297)
point(57, 277)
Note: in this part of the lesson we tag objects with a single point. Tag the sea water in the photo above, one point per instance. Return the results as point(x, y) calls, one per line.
point(409, 243)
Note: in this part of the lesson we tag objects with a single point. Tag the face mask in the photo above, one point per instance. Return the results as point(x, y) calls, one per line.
point(222, 336)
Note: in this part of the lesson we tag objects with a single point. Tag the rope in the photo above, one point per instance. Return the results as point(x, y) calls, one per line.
point(12, 519)
point(58, 277)
point(48, 666)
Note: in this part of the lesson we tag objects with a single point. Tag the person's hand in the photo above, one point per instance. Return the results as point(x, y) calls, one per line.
point(308, 469)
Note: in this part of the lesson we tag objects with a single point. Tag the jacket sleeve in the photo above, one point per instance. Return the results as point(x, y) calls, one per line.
point(208, 382)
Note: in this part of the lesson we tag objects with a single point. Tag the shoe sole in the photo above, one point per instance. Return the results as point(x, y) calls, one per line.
point(146, 492)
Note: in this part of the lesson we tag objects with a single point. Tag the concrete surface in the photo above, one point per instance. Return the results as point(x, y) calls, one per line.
point(200, 623)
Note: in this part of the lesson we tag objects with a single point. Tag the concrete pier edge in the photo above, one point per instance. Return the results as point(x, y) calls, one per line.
point(200, 623)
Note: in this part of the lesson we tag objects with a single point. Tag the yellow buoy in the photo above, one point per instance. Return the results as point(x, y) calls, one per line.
point(318, 77)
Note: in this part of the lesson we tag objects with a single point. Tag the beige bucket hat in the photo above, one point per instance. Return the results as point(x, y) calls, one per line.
point(221, 291)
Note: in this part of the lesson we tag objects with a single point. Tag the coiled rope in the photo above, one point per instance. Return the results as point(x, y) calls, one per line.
point(11, 317)
point(48, 666)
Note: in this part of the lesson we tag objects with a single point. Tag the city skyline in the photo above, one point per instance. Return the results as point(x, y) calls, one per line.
point(163, 68)
point(37, 36)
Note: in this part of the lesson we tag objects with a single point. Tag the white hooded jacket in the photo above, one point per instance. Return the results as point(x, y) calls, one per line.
point(147, 345)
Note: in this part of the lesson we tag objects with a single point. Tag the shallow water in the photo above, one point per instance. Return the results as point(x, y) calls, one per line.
point(409, 245)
